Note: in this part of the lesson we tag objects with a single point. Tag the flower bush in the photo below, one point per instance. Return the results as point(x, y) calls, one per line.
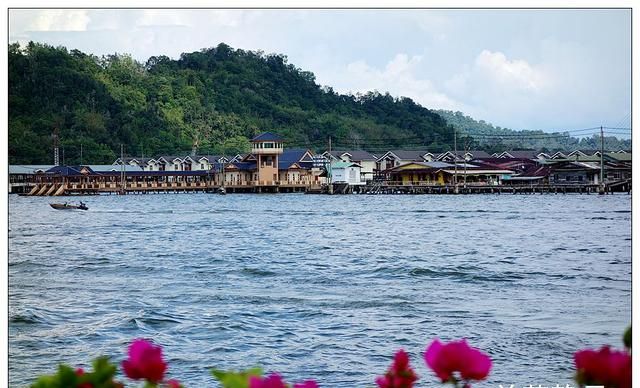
point(454, 363)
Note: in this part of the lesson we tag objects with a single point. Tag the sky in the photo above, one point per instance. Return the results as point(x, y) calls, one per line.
point(546, 69)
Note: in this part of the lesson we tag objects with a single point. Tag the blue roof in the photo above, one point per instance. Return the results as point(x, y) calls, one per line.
point(293, 155)
point(245, 165)
point(267, 136)
point(68, 170)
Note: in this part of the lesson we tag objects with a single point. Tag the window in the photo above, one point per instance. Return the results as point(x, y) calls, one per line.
point(202, 166)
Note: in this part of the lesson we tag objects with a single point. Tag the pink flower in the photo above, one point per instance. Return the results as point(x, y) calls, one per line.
point(145, 362)
point(400, 374)
point(272, 381)
point(457, 356)
point(173, 384)
point(603, 367)
point(80, 372)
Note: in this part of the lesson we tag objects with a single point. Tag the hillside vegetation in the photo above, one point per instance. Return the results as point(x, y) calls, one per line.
point(210, 102)
point(497, 139)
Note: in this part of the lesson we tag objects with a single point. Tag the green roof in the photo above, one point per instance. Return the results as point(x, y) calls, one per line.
point(343, 164)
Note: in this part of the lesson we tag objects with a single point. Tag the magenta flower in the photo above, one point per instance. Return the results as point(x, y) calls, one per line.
point(606, 367)
point(457, 356)
point(144, 362)
point(400, 374)
point(274, 380)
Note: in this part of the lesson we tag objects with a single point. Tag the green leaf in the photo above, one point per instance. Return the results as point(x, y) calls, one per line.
point(627, 338)
point(233, 379)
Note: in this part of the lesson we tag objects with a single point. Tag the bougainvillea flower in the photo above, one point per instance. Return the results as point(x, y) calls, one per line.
point(457, 356)
point(144, 362)
point(603, 367)
point(173, 384)
point(274, 380)
point(400, 374)
point(80, 372)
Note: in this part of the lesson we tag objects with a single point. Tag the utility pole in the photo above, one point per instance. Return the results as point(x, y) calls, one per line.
point(602, 187)
point(122, 180)
point(56, 146)
point(455, 160)
point(466, 147)
point(81, 154)
point(329, 169)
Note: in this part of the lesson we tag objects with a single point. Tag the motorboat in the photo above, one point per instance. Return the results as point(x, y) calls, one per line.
point(68, 206)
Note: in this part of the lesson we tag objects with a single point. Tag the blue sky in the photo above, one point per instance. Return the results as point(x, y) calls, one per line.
point(521, 69)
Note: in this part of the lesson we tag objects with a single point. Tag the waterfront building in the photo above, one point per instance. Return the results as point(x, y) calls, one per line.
point(366, 161)
point(346, 173)
point(23, 177)
point(441, 173)
point(399, 157)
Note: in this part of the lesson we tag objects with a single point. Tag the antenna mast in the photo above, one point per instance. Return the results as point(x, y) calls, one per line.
point(122, 182)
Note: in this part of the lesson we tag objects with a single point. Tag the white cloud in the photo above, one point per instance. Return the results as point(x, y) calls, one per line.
point(511, 73)
point(399, 78)
point(59, 20)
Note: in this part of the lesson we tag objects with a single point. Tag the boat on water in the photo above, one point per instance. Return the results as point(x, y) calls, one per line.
point(67, 206)
point(222, 191)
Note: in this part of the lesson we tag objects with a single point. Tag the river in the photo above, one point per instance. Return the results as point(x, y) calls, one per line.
point(316, 286)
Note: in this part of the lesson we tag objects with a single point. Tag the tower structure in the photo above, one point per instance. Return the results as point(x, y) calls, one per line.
point(267, 147)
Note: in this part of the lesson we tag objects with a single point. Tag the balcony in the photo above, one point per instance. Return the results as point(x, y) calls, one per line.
point(266, 148)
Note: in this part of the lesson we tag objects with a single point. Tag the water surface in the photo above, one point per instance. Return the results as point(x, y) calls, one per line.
point(324, 287)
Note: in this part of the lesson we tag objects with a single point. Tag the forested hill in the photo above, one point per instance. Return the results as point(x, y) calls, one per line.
point(213, 100)
point(497, 139)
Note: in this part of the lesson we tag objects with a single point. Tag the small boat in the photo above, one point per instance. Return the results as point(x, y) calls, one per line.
point(222, 191)
point(66, 206)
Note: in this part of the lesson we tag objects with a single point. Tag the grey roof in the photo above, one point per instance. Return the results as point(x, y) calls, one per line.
point(28, 169)
point(356, 155)
point(111, 167)
point(524, 154)
point(409, 154)
point(438, 164)
point(171, 158)
point(209, 158)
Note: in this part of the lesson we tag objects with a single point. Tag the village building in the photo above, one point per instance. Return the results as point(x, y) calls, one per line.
point(346, 172)
point(441, 173)
point(269, 167)
point(395, 158)
point(366, 161)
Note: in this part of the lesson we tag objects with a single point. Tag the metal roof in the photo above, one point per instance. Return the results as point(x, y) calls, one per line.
point(344, 164)
point(28, 169)
point(267, 136)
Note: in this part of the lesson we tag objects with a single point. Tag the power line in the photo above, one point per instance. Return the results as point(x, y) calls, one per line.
point(620, 128)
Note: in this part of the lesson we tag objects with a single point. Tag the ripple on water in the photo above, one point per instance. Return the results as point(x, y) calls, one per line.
point(325, 287)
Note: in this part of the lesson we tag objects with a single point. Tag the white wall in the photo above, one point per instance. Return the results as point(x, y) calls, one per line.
point(350, 175)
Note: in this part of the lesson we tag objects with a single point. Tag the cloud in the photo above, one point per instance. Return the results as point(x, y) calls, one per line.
point(515, 73)
point(504, 90)
point(59, 20)
point(400, 78)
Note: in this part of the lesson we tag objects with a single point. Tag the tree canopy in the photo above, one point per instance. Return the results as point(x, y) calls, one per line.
point(211, 102)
